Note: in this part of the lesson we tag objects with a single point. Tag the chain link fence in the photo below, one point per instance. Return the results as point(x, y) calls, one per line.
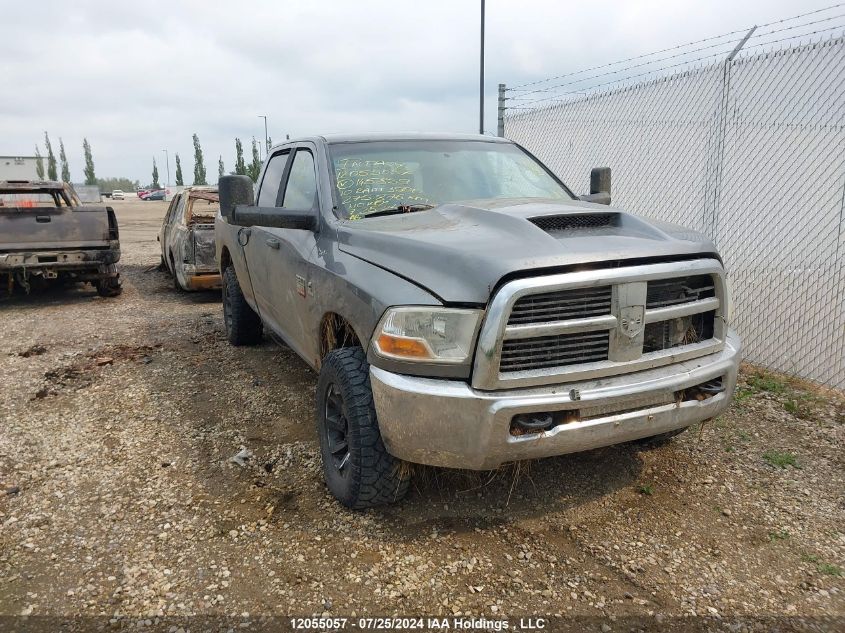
point(749, 150)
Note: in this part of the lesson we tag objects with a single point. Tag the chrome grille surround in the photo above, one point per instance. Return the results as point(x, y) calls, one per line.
point(629, 304)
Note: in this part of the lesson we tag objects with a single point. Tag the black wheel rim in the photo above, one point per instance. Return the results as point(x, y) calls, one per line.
point(337, 430)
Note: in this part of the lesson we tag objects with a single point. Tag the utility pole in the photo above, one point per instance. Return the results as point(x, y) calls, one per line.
point(266, 136)
point(167, 162)
point(481, 77)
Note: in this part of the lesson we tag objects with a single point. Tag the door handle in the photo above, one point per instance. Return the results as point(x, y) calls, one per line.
point(273, 243)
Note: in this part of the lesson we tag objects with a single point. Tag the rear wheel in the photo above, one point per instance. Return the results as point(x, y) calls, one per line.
point(243, 325)
point(176, 283)
point(110, 286)
point(359, 471)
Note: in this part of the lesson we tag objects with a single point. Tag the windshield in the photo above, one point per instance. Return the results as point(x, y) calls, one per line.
point(377, 176)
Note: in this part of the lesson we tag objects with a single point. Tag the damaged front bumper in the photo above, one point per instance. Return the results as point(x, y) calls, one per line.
point(448, 423)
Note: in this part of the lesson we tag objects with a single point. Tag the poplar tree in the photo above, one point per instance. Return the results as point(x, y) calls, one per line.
point(179, 180)
point(63, 160)
point(52, 174)
point(155, 175)
point(255, 166)
point(90, 177)
point(240, 166)
point(199, 165)
point(39, 164)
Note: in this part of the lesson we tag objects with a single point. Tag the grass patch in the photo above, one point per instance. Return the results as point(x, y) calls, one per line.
point(780, 535)
point(742, 393)
point(743, 435)
point(781, 459)
point(767, 382)
point(646, 490)
point(822, 568)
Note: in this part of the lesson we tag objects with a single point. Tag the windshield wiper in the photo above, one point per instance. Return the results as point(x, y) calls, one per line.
point(402, 208)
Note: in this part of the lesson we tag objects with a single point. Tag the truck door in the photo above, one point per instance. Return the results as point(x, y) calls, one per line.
point(279, 274)
point(253, 238)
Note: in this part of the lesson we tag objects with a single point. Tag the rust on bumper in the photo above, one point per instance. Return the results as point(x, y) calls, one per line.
point(207, 281)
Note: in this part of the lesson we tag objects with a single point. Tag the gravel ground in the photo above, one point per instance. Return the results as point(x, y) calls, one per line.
point(120, 416)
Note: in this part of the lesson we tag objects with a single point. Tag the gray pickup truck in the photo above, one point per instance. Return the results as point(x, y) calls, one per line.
point(47, 235)
point(465, 309)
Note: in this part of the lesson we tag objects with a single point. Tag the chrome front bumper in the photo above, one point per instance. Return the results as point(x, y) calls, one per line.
point(448, 423)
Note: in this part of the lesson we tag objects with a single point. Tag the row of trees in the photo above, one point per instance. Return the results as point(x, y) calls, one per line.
point(51, 170)
point(253, 169)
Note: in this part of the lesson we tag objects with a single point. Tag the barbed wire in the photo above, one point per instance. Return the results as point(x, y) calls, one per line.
point(531, 103)
point(729, 43)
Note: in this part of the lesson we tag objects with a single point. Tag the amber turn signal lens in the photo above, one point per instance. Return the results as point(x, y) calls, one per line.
point(402, 346)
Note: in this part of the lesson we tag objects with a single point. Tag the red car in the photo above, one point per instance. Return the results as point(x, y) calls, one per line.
point(146, 193)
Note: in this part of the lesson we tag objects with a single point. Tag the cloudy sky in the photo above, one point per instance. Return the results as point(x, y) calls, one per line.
point(136, 78)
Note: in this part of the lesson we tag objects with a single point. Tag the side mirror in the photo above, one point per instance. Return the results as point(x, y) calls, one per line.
point(275, 217)
point(237, 205)
point(599, 186)
point(234, 191)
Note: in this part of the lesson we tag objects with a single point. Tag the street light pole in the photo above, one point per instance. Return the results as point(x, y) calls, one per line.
point(481, 78)
point(167, 162)
point(266, 137)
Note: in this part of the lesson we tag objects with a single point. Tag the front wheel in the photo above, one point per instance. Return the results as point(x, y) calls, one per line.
point(359, 471)
point(243, 325)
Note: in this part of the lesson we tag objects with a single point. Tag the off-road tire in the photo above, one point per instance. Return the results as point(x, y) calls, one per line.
point(243, 325)
point(371, 476)
point(660, 439)
point(109, 287)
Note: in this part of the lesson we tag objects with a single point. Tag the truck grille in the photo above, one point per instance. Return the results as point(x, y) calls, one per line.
point(633, 318)
point(554, 351)
point(559, 306)
point(667, 292)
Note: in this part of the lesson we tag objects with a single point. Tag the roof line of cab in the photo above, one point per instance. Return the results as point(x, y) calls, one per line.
point(336, 139)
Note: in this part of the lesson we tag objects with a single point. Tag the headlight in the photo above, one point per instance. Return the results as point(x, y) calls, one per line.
point(434, 335)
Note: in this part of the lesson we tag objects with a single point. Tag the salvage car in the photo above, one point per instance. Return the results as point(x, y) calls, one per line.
point(46, 235)
point(465, 309)
point(187, 239)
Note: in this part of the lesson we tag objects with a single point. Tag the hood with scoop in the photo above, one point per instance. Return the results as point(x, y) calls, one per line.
point(459, 252)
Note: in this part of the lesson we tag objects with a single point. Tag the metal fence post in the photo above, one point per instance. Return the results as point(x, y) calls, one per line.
point(500, 130)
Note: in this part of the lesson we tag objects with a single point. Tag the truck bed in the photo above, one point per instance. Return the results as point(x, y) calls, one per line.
point(52, 228)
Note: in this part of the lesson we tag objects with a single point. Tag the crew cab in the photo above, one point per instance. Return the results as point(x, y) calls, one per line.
point(187, 239)
point(464, 308)
point(46, 235)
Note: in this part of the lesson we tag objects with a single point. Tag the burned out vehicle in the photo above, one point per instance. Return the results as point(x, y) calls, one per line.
point(46, 235)
point(187, 239)
point(464, 309)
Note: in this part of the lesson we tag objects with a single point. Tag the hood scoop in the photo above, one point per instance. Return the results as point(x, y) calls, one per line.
point(575, 222)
